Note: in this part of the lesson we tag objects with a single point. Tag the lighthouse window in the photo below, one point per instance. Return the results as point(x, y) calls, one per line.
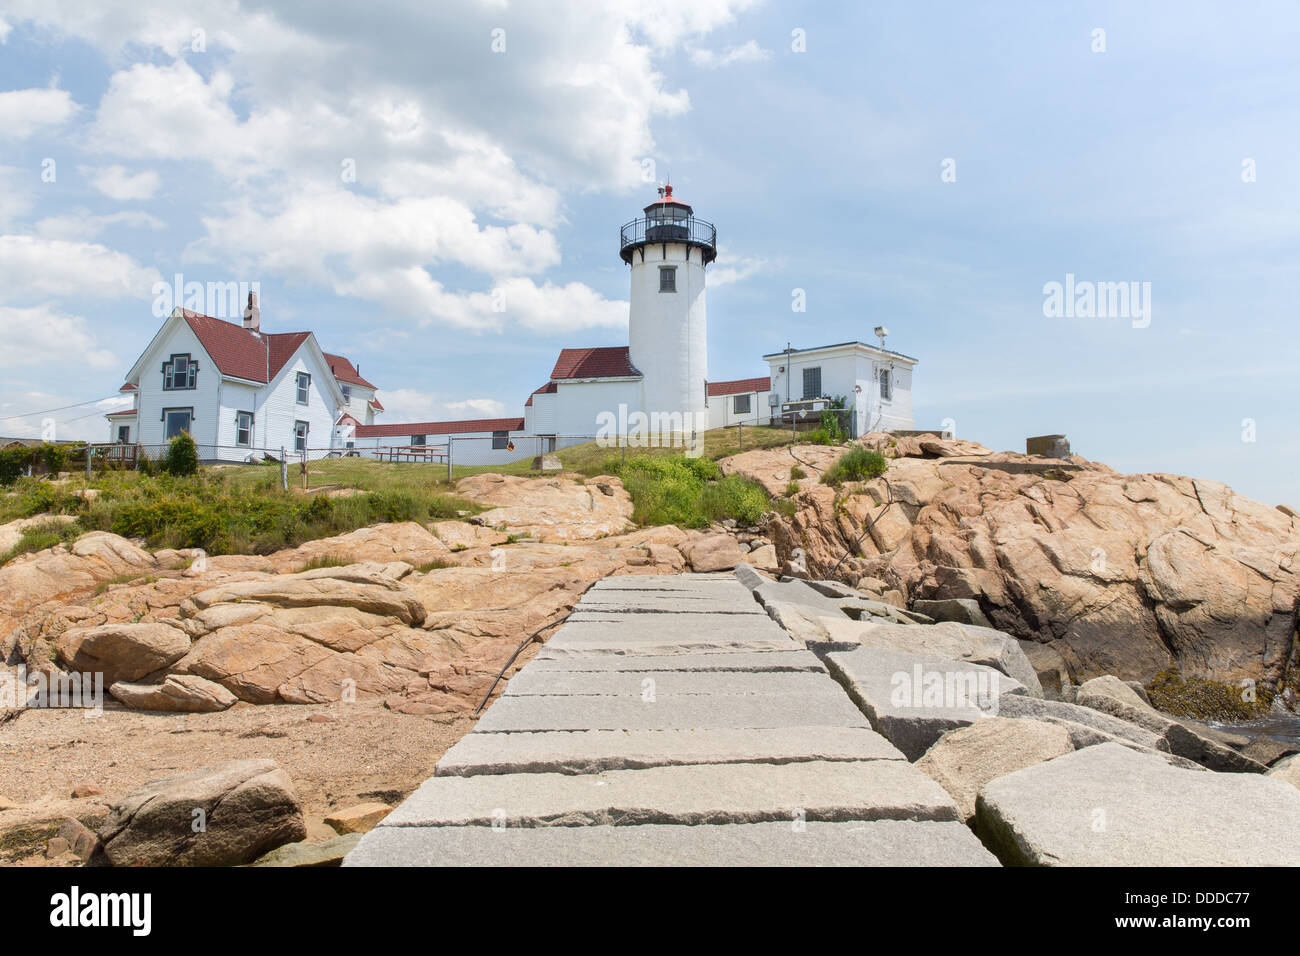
point(667, 278)
point(886, 386)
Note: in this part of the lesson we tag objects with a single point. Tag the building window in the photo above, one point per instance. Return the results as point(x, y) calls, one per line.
point(180, 371)
point(304, 387)
point(886, 385)
point(176, 420)
point(740, 405)
point(300, 430)
point(500, 439)
point(243, 429)
point(667, 278)
point(812, 383)
point(123, 434)
point(420, 440)
point(347, 394)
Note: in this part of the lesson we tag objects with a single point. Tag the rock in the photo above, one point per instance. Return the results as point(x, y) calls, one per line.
point(185, 693)
point(948, 641)
point(122, 652)
point(325, 853)
point(1120, 574)
point(1287, 770)
point(458, 535)
point(364, 587)
point(551, 509)
point(86, 789)
point(362, 818)
point(383, 544)
point(77, 839)
point(960, 610)
point(547, 463)
point(913, 700)
point(1267, 751)
point(713, 552)
point(56, 847)
point(1053, 673)
point(963, 760)
point(1110, 806)
point(1087, 727)
point(764, 557)
point(11, 532)
point(1110, 695)
point(223, 815)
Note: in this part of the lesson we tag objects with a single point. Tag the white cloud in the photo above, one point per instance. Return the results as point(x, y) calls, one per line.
point(4, 30)
point(81, 225)
point(36, 268)
point(117, 182)
point(17, 189)
point(748, 52)
point(481, 407)
point(25, 112)
point(42, 335)
point(737, 269)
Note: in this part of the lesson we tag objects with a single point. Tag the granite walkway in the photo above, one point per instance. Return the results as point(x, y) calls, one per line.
point(670, 721)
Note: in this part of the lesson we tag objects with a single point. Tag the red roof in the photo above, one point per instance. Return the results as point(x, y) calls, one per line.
point(128, 387)
point(740, 386)
point(610, 362)
point(241, 352)
point(668, 199)
point(549, 388)
point(374, 403)
point(346, 419)
point(258, 357)
point(345, 371)
point(441, 428)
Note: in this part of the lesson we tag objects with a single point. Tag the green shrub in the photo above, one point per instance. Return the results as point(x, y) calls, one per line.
point(796, 473)
point(688, 492)
point(14, 463)
point(182, 456)
point(54, 457)
point(41, 536)
point(818, 436)
point(857, 464)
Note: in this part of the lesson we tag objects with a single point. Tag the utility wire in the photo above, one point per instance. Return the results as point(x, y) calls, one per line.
point(47, 411)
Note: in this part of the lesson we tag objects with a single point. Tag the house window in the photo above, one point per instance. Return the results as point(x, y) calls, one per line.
point(667, 278)
point(347, 394)
point(740, 405)
point(123, 434)
point(176, 420)
point(812, 383)
point(304, 387)
point(243, 429)
point(500, 439)
point(300, 430)
point(179, 371)
point(420, 440)
point(886, 385)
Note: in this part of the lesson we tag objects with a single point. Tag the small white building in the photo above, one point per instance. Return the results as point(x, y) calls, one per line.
point(240, 392)
point(740, 402)
point(476, 441)
point(873, 381)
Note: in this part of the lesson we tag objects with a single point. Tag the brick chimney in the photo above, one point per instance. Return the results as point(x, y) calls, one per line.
point(252, 314)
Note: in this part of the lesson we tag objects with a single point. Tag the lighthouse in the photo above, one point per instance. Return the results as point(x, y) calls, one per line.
point(668, 249)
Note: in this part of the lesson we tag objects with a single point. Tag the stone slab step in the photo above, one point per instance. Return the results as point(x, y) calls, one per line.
point(664, 685)
point(690, 795)
point(764, 661)
point(517, 713)
point(556, 648)
point(593, 751)
point(668, 628)
point(665, 582)
point(880, 843)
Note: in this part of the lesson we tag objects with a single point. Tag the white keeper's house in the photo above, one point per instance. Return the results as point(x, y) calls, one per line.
point(241, 392)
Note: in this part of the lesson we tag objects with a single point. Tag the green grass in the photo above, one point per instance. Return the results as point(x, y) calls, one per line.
point(40, 536)
point(689, 492)
point(857, 464)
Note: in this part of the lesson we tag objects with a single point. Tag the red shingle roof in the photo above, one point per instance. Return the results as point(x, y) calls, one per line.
point(374, 403)
point(548, 389)
point(442, 428)
point(345, 371)
point(740, 386)
point(241, 352)
point(608, 362)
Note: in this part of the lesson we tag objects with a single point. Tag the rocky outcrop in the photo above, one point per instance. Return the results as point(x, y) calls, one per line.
point(1119, 574)
point(224, 815)
point(121, 652)
point(551, 509)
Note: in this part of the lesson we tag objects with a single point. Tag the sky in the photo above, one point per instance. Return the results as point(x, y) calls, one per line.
point(435, 190)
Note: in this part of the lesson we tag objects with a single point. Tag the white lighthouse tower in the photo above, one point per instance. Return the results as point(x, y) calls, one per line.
point(668, 250)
